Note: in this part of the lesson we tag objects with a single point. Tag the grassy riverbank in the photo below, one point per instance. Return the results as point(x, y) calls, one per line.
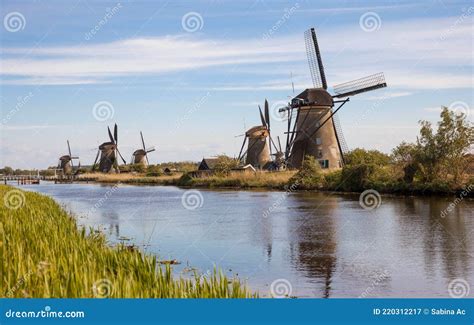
point(129, 178)
point(45, 255)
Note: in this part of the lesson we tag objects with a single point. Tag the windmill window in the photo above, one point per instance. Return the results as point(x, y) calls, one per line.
point(318, 141)
point(320, 153)
point(324, 163)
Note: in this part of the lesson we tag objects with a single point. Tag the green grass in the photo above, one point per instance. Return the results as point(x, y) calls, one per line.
point(45, 255)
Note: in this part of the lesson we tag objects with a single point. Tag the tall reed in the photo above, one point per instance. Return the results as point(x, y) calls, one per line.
point(45, 255)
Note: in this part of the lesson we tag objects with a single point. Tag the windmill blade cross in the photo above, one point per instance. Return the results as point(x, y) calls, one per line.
point(121, 156)
point(314, 59)
point(110, 135)
point(95, 161)
point(267, 115)
point(143, 141)
point(70, 154)
point(360, 85)
point(262, 118)
point(242, 148)
point(116, 133)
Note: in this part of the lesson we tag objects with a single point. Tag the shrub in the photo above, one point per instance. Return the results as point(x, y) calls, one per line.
point(310, 176)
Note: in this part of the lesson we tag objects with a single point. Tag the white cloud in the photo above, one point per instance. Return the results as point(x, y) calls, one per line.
point(430, 53)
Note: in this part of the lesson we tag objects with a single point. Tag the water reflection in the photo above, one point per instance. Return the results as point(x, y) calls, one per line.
point(312, 240)
point(325, 245)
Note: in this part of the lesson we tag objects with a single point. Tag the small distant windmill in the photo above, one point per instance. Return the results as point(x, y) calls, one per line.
point(108, 154)
point(316, 130)
point(66, 163)
point(258, 153)
point(140, 156)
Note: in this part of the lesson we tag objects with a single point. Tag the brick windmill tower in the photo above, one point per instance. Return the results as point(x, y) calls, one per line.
point(65, 163)
point(109, 154)
point(140, 156)
point(258, 153)
point(315, 130)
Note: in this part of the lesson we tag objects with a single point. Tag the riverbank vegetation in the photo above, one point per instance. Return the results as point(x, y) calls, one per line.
point(438, 162)
point(131, 178)
point(45, 255)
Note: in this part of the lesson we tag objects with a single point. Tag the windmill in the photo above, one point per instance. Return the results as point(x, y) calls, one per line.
point(258, 153)
point(66, 163)
point(140, 156)
point(108, 154)
point(315, 130)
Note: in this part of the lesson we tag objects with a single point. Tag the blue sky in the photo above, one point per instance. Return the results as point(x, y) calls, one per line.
point(191, 88)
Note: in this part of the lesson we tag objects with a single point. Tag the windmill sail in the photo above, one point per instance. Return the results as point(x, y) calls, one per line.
point(314, 59)
point(340, 135)
point(361, 85)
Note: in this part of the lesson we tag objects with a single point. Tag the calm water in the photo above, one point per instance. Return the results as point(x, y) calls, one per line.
point(324, 245)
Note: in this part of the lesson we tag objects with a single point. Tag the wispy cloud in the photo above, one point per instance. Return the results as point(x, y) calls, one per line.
point(415, 54)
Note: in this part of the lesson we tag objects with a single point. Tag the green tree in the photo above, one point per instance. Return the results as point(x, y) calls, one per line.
point(225, 164)
point(443, 152)
point(361, 156)
point(310, 176)
point(404, 156)
point(7, 170)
